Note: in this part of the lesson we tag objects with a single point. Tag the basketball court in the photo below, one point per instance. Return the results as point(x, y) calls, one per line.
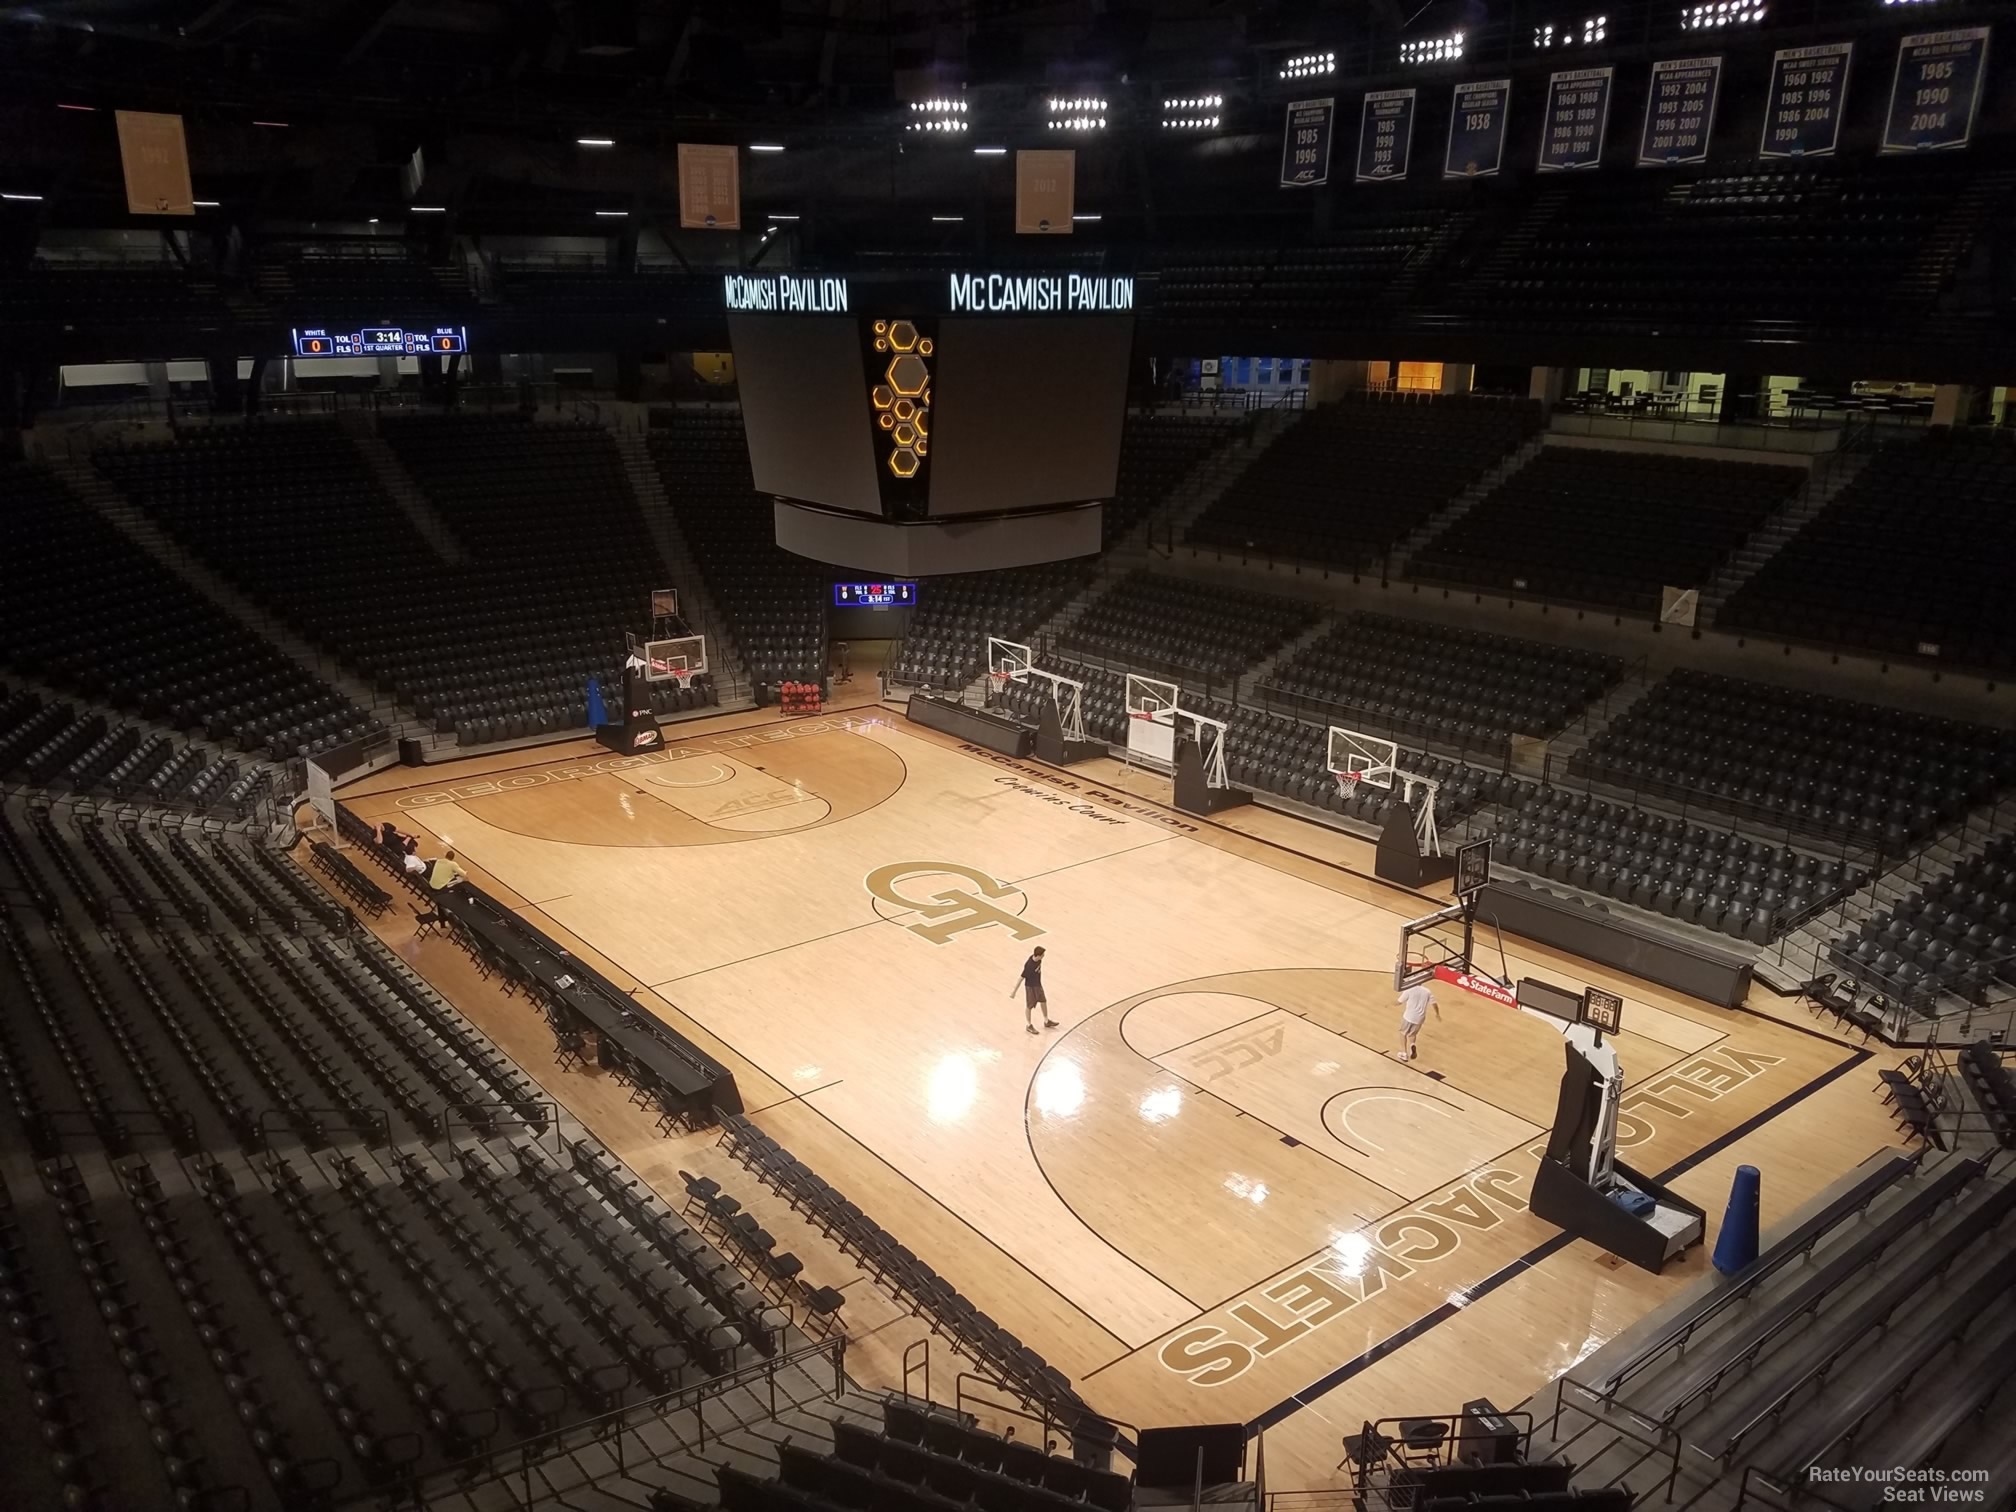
point(1211, 1194)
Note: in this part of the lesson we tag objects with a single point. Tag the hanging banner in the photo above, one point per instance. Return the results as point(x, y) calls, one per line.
point(1385, 136)
point(710, 187)
point(1305, 143)
point(1802, 109)
point(1680, 112)
point(1937, 90)
point(155, 154)
point(1045, 191)
point(1477, 129)
point(1575, 119)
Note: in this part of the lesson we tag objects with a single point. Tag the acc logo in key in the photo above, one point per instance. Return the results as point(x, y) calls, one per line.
point(947, 908)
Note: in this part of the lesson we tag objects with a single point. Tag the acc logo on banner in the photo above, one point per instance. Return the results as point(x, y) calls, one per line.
point(949, 910)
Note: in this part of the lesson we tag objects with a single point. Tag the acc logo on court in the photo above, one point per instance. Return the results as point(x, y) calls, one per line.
point(950, 910)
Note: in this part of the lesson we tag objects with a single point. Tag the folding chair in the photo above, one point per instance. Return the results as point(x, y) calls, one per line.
point(425, 922)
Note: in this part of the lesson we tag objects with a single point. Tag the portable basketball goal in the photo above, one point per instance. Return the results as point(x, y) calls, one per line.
point(1357, 756)
point(680, 659)
point(1012, 662)
point(1155, 717)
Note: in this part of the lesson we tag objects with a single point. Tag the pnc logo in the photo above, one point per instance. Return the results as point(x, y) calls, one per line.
point(947, 908)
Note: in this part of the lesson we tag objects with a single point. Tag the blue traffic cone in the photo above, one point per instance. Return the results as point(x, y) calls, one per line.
point(1736, 1244)
point(598, 714)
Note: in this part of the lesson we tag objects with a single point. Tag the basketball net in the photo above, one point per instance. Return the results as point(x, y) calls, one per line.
point(1347, 782)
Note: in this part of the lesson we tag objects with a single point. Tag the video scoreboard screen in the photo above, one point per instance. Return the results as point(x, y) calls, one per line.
point(379, 341)
point(874, 595)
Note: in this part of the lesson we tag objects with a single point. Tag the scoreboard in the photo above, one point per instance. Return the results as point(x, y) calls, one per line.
point(379, 341)
point(874, 595)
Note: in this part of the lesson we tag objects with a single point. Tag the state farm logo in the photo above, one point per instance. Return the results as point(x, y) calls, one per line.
point(949, 899)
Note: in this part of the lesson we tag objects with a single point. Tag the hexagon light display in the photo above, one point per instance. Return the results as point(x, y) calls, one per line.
point(902, 400)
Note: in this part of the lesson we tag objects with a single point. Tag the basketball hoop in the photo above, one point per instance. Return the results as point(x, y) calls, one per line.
point(1347, 783)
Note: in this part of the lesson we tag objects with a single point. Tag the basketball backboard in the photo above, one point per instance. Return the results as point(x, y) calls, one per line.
point(1368, 758)
point(680, 660)
point(1009, 660)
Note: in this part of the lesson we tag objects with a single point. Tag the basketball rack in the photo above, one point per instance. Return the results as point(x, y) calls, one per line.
point(1357, 756)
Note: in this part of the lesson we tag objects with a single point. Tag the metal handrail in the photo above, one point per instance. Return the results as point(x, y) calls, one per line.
point(495, 1466)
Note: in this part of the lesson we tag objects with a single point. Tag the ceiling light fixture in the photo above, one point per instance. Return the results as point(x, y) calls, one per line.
point(990, 151)
point(1093, 217)
point(781, 216)
point(277, 125)
point(36, 197)
point(1432, 49)
point(766, 146)
point(612, 214)
point(205, 204)
point(428, 209)
point(954, 219)
point(1309, 66)
point(595, 141)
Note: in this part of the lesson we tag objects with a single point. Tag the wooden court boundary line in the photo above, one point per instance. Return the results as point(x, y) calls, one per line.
point(1287, 1408)
point(552, 760)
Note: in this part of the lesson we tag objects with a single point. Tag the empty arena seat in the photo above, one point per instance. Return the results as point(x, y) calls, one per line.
point(1956, 934)
point(775, 601)
point(1440, 684)
point(1905, 560)
point(1606, 527)
point(86, 609)
point(1826, 766)
point(1195, 632)
point(1350, 481)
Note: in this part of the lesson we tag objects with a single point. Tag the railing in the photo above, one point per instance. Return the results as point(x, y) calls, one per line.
point(1051, 1429)
point(513, 1467)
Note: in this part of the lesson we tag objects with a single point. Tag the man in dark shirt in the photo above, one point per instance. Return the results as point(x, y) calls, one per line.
point(1032, 992)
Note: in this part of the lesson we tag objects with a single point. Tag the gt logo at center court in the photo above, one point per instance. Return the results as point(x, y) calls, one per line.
point(948, 909)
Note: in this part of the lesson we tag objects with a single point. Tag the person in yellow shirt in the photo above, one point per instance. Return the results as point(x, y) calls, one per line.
point(446, 872)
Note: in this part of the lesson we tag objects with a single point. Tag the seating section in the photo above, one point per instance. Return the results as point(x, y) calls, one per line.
point(1357, 266)
point(53, 746)
point(1910, 553)
point(923, 1462)
point(945, 645)
point(1987, 1077)
point(1956, 934)
point(358, 283)
point(1878, 1333)
point(206, 1315)
point(107, 296)
point(497, 647)
point(1192, 632)
point(1606, 527)
point(1747, 888)
point(1351, 481)
point(647, 292)
point(1439, 683)
point(86, 609)
point(775, 601)
point(1825, 766)
point(1749, 247)
point(1157, 451)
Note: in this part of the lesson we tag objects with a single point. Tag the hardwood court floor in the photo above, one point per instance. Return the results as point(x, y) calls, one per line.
point(1210, 1194)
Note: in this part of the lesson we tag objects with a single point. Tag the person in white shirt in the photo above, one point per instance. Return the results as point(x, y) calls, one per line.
point(413, 861)
point(1414, 1005)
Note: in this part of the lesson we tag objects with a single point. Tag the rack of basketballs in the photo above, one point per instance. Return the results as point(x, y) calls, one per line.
point(800, 697)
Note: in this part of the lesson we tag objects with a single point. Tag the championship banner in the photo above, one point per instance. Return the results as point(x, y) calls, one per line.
point(1305, 143)
point(1680, 112)
point(710, 187)
point(1575, 118)
point(155, 155)
point(1802, 110)
point(1477, 129)
point(1046, 181)
point(1937, 91)
point(1385, 136)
